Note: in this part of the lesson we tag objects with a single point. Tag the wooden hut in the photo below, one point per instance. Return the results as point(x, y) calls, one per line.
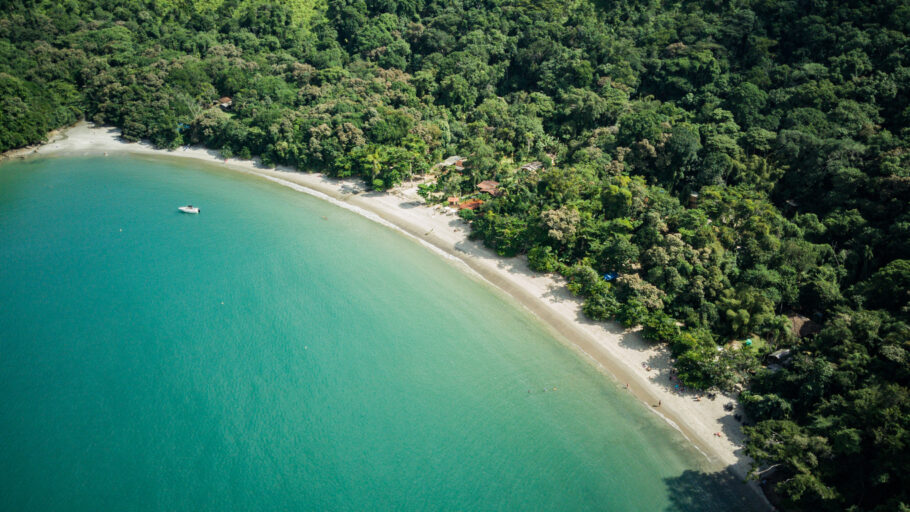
point(470, 204)
point(490, 187)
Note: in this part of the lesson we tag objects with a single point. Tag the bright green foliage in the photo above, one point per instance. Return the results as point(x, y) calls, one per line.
point(301, 11)
point(702, 169)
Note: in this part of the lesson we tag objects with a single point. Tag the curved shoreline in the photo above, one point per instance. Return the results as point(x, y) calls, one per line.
point(622, 354)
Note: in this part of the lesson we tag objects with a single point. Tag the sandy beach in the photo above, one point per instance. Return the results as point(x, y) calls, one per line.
point(640, 367)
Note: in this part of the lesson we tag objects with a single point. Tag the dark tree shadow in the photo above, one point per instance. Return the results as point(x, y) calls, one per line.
point(721, 491)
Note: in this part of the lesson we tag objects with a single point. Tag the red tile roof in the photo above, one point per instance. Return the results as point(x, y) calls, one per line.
point(470, 204)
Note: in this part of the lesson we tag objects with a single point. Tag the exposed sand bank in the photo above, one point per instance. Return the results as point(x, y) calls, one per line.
point(620, 353)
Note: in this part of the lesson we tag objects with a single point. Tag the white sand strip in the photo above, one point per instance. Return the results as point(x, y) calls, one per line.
point(620, 353)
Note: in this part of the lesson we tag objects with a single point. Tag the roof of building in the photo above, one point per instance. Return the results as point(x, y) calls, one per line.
point(802, 326)
point(489, 186)
point(781, 354)
point(452, 160)
point(470, 204)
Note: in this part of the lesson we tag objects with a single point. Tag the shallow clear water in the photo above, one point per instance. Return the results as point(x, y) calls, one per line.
point(276, 352)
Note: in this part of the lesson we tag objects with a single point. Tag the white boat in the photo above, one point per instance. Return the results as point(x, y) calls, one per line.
point(189, 209)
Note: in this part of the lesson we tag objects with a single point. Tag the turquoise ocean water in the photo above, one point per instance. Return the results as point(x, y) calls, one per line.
point(261, 357)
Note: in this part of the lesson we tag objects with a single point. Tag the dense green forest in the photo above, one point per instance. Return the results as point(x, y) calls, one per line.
point(728, 165)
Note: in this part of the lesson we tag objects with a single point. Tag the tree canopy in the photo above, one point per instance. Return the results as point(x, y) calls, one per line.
point(711, 171)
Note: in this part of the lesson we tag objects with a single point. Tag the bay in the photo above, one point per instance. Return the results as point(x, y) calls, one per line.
point(276, 352)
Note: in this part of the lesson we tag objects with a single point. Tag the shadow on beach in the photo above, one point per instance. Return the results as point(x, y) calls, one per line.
point(699, 491)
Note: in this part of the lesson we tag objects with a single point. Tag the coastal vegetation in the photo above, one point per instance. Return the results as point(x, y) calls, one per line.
point(734, 177)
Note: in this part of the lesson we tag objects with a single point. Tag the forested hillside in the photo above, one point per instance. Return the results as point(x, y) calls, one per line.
point(739, 171)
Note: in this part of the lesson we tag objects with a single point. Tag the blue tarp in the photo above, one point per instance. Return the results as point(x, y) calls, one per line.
point(609, 276)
